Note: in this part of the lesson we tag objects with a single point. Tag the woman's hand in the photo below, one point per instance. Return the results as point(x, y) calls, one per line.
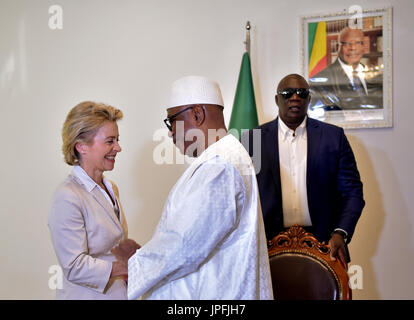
point(125, 250)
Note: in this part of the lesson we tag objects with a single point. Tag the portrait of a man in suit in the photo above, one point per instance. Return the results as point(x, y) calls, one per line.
point(346, 84)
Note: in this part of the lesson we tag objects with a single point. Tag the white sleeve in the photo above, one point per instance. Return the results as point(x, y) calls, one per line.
point(191, 230)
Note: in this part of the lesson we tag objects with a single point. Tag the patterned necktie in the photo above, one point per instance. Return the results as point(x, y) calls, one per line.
point(357, 84)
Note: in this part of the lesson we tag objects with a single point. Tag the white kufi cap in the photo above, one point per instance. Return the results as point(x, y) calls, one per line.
point(195, 90)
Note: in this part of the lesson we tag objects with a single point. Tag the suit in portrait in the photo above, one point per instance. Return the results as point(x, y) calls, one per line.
point(84, 228)
point(331, 90)
point(334, 188)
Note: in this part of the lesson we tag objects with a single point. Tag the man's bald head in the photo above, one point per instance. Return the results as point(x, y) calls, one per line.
point(296, 76)
point(346, 32)
point(351, 46)
point(292, 108)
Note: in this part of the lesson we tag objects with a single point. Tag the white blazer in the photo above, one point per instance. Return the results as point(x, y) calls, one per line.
point(84, 228)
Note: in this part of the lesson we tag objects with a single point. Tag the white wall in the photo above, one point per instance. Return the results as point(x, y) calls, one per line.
point(127, 53)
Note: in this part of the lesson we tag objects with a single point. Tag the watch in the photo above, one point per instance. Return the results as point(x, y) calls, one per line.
point(341, 233)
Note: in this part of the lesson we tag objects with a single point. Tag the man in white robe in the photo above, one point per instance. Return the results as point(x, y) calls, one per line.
point(210, 241)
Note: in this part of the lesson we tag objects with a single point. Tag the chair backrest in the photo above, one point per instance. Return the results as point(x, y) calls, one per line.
point(302, 269)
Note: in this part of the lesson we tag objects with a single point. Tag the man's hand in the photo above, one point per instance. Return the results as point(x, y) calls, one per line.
point(125, 250)
point(119, 269)
point(337, 245)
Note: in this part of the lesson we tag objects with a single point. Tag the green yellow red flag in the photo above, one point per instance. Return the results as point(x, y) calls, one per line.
point(317, 47)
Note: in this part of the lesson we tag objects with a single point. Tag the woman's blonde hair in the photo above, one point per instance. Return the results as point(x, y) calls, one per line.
point(81, 125)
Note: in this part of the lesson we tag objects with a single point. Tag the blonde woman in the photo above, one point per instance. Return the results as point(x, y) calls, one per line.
point(86, 219)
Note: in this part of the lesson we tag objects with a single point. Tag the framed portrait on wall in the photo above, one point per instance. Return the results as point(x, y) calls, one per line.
point(347, 60)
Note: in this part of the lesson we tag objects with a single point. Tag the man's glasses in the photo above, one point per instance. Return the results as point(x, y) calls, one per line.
point(288, 92)
point(355, 43)
point(170, 120)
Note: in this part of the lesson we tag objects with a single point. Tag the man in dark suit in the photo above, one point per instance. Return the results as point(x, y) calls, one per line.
point(343, 85)
point(308, 174)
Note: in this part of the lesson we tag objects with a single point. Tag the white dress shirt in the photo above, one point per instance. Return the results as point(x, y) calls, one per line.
point(90, 184)
point(293, 151)
point(210, 241)
point(349, 70)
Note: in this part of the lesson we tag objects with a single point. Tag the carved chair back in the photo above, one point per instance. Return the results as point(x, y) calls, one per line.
point(302, 269)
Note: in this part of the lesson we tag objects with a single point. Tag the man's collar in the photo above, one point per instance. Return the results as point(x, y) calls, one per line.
point(348, 68)
point(286, 131)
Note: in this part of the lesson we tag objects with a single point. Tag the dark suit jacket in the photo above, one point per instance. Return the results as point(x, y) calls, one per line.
point(334, 187)
point(332, 90)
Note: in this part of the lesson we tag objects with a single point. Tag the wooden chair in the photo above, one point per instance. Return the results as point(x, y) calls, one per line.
point(302, 269)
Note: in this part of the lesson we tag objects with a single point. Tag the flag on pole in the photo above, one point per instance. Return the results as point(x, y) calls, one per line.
point(244, 113)
point(317, 47)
